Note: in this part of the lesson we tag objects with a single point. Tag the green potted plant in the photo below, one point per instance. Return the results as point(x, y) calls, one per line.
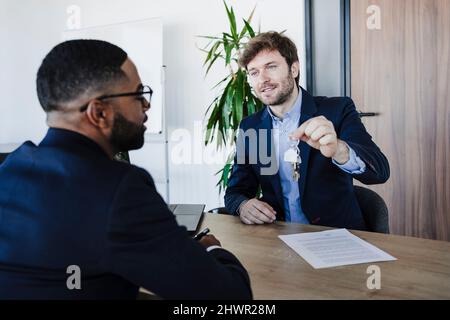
point(122, 156)
point(235, 100)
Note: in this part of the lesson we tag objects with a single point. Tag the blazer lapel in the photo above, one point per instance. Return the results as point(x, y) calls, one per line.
point(266, 124)
point(307, 112)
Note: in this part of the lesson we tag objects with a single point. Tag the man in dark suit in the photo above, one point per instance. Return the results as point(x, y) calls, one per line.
point(74, 223)
point(333, 146)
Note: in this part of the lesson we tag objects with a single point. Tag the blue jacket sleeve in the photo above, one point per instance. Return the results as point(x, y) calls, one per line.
point(243, 183)
point(148, 248)
point(352, 131)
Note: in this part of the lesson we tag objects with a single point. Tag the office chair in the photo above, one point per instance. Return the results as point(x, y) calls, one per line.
point(221, 210)
point(374, 210)
point(3, 157)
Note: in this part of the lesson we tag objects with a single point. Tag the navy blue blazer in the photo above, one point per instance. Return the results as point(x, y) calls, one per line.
point(66, 203)
point(326, 192)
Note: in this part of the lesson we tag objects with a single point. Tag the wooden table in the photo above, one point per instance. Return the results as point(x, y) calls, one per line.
point(422, 270)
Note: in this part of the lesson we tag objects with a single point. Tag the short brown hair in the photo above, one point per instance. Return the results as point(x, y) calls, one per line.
point(269, 41)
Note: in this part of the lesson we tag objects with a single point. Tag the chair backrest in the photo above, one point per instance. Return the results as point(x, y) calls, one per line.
point(221, 210)
point(3, 157)
point(374, 209)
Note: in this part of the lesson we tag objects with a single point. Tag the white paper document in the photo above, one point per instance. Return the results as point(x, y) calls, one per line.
point(334, 248)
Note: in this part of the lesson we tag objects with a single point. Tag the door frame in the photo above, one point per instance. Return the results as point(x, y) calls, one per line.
point(345, 46)
point(346, 73)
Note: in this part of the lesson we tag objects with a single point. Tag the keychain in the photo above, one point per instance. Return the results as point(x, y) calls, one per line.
point(292, 155)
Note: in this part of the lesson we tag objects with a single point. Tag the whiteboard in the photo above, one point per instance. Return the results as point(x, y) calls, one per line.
point(143, 41)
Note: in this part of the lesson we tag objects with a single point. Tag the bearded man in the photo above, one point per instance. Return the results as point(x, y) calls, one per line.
point(317, 145)
point(75, 223)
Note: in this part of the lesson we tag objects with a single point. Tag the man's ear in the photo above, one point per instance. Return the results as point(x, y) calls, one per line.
point(295, 69)
point(99, 114)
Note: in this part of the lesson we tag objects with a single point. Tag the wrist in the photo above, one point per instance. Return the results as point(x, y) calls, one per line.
point(342, 155)
point(240, 207)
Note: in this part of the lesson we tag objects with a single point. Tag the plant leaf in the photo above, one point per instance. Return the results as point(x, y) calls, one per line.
point(212, 62)
point(212, 52)
point(212, 122)
point(227, 109)
point(232, 20)
point(250, 106)
point(219, 119)
point(249, 29)
point(225, 35)
point(222, 81)
point(209, 37)
point(228, 51)
point(226, 173)
point(238, 99)
point(245, 28)
point(211, 104)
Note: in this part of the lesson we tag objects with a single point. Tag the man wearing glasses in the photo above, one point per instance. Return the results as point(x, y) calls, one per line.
point(74, 223)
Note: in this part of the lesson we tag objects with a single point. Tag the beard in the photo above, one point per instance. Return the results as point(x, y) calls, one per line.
point(126, 135)
point(286, 90)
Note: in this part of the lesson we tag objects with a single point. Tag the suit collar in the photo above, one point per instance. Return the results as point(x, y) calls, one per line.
point(72, 140)
point(309, 109)
point(266, 120)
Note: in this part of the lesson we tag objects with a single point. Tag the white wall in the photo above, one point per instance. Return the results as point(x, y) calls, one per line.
point(30, 28)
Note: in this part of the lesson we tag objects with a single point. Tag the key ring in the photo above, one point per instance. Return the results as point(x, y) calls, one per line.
point(293, 143)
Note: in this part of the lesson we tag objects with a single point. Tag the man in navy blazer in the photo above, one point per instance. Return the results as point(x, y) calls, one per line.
point(333, 144)
point(76, 224)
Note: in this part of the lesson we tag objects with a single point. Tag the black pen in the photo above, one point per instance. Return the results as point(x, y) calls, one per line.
point(202, 233)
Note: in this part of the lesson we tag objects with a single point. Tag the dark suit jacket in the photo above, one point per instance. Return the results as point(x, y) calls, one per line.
point(326, 192)
point(65, 203)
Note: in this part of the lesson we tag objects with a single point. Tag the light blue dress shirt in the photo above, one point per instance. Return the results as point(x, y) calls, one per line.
point(282, 128)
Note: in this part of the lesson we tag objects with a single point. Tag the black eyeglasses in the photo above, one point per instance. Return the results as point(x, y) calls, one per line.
point(144, 93)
